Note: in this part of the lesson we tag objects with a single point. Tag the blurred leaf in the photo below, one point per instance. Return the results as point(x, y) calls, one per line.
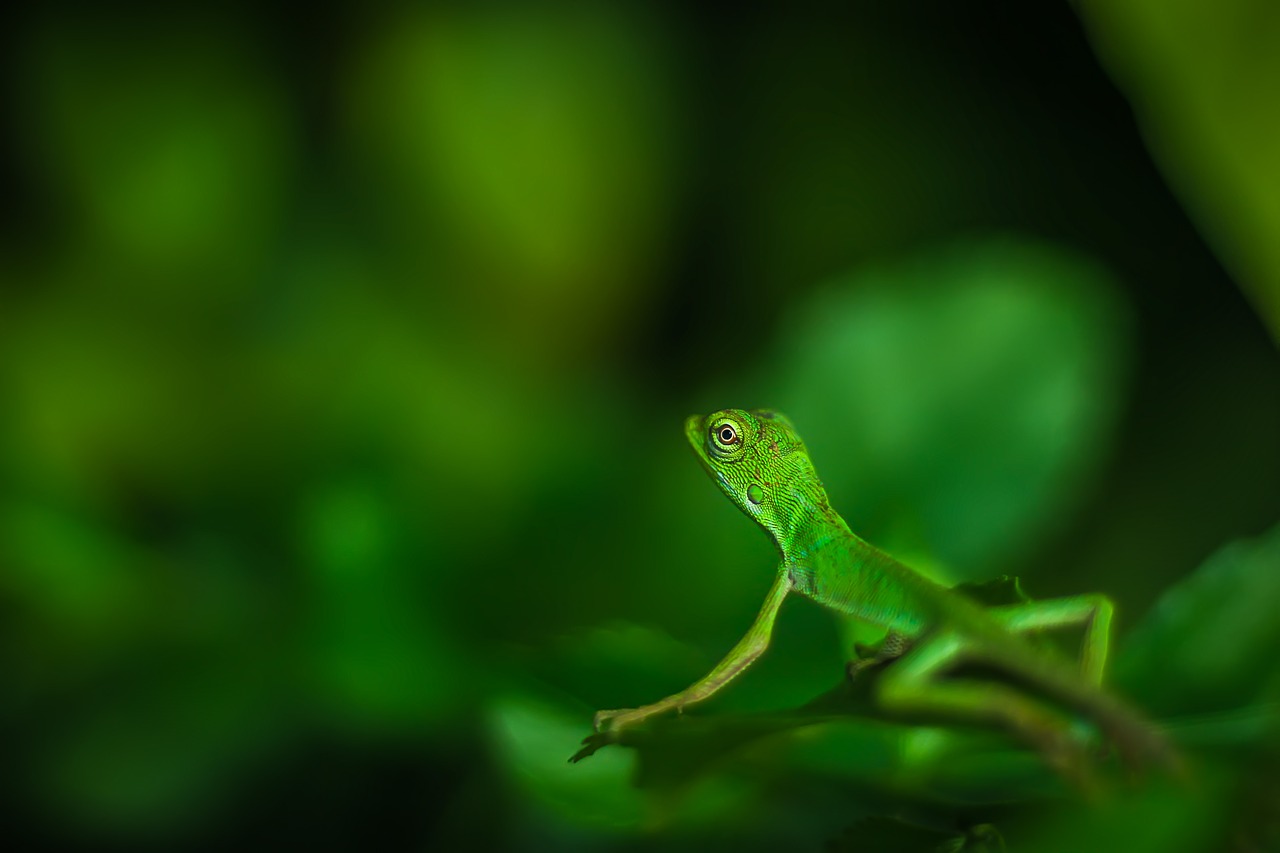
point(618, 659)
point(1159, 816)
point(958, 405)
point(841, 735)
point(532, 738)
point(165, 138)
point(1203, 80)
point(70, 572)
point(160, 755)
point(1212, 642)
point(380, 646)
point(882, 833)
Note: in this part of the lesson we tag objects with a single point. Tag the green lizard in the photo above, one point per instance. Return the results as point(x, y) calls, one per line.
point(760, 462)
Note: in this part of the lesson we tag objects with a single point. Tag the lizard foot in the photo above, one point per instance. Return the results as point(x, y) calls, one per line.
point(605, 726)
point(603, 721)
point(608, 724)
point(616, 721)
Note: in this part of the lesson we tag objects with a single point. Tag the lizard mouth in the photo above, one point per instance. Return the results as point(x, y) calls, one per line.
point(695, 431)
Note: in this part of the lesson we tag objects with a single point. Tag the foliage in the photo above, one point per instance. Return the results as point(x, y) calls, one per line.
point(343, 358)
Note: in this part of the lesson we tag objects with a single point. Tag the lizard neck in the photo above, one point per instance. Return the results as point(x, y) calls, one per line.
point(807, 529)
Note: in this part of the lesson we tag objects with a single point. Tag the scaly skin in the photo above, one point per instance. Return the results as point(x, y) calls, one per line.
point(760, 462)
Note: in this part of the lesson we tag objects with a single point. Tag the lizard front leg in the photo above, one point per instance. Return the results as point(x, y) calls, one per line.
point(743, 655)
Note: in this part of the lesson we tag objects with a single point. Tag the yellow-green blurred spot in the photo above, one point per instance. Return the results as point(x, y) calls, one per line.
point(535, 138)
point(1203, 80)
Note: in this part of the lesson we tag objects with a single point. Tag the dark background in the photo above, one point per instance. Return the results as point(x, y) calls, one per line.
point(344, 351)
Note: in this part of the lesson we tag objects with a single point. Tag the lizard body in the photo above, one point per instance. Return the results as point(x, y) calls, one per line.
point(759, 461)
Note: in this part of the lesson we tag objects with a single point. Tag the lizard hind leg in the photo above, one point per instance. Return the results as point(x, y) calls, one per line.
point(1092, 611)
point(1137, 741)
point(917, 685)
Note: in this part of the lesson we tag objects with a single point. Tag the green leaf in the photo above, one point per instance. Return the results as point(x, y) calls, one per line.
point(532, 736)
point(841, 737)
point(885, 833)
point(172, 147)
point(957, 406)
point(165, 753)
point(1212, 642)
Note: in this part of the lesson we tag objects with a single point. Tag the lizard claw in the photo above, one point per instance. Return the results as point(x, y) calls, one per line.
point(591, 744)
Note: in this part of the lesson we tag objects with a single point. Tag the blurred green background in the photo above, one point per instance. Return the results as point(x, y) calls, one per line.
point(344, 351)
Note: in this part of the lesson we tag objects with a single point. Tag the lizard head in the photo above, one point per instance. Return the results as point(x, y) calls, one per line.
point(760, 462)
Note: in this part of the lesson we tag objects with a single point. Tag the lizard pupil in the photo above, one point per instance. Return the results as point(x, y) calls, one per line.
point(727, 435)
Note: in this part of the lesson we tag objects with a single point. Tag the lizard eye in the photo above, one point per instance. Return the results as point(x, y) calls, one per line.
point(725, 436)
